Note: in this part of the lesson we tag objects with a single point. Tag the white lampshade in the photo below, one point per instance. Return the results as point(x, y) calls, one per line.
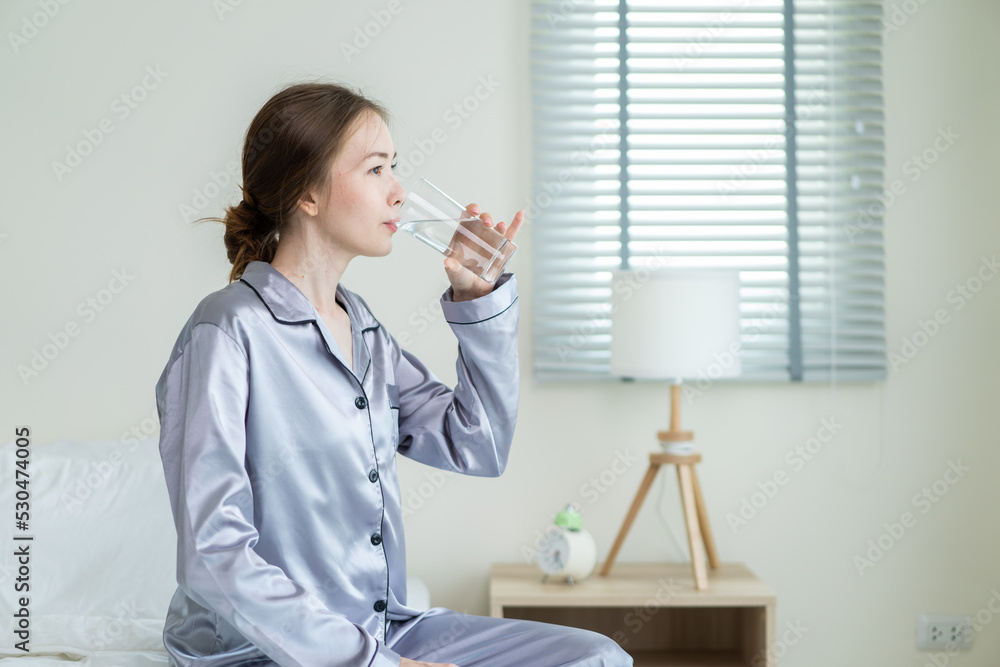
point(675, 323)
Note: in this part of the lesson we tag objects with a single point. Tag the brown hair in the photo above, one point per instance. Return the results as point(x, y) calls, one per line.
point(289, 148)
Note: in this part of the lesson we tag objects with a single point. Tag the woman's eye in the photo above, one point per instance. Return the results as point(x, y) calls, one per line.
point(393, 166)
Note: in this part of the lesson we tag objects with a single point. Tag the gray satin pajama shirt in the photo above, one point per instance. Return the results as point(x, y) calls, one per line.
point(280, 464)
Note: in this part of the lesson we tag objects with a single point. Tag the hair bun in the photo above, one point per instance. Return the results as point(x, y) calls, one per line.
point(255, 218)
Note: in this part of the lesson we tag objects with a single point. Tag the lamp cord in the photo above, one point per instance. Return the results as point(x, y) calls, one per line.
point(663, 519)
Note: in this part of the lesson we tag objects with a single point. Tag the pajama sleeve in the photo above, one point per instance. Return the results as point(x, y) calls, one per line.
point(467, 429)
point(202, 401)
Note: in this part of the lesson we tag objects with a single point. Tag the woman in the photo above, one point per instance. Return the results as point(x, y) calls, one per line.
point(284, 403)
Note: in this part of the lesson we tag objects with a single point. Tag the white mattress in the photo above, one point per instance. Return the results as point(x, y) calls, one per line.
point(101, 659)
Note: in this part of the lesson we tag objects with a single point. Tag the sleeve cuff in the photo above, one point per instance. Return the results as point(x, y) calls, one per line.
point(490, 305)
point(384, 657)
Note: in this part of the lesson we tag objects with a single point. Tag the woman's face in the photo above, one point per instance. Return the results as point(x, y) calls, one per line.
point(359, 213)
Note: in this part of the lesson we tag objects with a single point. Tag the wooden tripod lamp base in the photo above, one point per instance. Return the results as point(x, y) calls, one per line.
point(699, 532)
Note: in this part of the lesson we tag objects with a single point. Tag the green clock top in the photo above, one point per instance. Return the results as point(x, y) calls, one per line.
point(569, 518)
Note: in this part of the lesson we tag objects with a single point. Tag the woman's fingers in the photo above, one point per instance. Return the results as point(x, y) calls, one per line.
point(515, 225)
point(465, 284)
point(473, 210)
point(508, 230)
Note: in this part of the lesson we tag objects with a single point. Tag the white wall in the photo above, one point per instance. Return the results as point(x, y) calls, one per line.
point(61, 241)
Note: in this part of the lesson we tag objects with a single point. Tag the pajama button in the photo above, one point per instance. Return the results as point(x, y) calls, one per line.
point(360, 403)
point(380, 606)
point(376, 539)
point(373, 476)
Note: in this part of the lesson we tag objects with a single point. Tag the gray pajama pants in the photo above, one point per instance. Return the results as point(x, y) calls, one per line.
point(443, 635)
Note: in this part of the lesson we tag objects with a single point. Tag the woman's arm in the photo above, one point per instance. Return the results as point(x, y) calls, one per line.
point(467, 429)
point(202, 401)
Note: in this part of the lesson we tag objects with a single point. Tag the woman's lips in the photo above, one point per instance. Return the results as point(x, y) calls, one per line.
point(392, 224)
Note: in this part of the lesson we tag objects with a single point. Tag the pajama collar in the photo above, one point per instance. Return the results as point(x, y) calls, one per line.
point(289, 305)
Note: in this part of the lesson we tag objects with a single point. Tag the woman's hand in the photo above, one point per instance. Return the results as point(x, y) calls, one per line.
point(465, 284)
point(406, 662)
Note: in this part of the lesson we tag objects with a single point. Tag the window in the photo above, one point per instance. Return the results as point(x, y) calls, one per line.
point(741, 134)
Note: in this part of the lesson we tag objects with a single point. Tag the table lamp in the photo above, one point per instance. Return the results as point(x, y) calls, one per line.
point(676, 324)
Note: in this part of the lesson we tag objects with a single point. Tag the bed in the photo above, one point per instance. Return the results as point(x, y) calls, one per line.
point(100, 561)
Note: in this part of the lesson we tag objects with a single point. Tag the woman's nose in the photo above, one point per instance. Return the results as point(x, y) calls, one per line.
point(398, 194)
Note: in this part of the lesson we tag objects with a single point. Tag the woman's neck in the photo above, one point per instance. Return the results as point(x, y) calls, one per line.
point(315, 270)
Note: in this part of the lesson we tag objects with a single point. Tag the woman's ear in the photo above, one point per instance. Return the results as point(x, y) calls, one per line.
point(308, 204)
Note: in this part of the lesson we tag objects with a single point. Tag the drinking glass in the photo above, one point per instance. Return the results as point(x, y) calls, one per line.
point(436, 219)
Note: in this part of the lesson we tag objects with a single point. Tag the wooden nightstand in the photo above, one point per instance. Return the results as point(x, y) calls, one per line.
point(652, 610)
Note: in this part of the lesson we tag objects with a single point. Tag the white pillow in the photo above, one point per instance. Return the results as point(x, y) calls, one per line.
point(102, 561)
point(418, 595)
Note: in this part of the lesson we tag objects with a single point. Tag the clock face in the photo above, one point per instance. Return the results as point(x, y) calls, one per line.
point(553, 553)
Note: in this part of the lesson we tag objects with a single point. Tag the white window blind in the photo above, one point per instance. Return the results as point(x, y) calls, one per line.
point(744, 134)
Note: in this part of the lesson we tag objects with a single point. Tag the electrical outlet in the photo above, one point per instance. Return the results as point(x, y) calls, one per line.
point(944, 632)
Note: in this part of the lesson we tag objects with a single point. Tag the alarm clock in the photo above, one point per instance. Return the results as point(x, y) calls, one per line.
point(567, 550)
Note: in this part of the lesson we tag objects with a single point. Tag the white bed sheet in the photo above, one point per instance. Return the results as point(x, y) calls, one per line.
point(99, 659)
